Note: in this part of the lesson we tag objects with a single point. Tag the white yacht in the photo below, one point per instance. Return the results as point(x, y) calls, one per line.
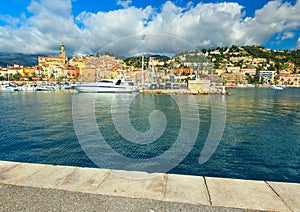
point(275, 87)
point(108, 86)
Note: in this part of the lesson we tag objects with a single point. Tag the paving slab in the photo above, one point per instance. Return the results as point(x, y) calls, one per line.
point(13, 173)
point(149, 187)
point(186, 189)
point(289, 193)
point(47, 177)
point(247, 194)
point(83, 180)
point(5, 164)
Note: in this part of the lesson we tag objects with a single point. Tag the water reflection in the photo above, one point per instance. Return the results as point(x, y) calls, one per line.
point(260, 141)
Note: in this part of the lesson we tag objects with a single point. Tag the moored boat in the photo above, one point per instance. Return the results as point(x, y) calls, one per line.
point(108, 86)
point(45, 88)
point(275, 87)
point(8, 87)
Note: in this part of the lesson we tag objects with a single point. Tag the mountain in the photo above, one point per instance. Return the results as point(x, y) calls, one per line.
point(147, 56)
point(18, 58)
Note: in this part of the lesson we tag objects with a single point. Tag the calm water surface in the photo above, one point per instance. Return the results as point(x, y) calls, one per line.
point(261, 138)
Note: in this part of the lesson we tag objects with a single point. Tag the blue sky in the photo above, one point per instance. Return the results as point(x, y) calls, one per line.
point(129, 26)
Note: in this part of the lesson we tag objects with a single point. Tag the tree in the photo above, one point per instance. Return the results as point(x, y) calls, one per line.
point(16, 76)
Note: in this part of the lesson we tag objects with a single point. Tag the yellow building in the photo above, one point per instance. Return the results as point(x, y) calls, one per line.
point(62, 59)
point(79, 62)
point(220, 71)
point(89, 74)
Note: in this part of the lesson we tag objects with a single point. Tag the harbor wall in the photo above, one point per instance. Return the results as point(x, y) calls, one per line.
point(27, 186)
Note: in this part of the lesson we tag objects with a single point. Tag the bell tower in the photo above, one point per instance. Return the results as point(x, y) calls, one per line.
point(63, 52)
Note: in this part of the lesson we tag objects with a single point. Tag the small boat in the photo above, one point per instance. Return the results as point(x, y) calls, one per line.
point(8, 87)
point(108, 86)
point(275, 87)
point(45, 88)
point(27, 88)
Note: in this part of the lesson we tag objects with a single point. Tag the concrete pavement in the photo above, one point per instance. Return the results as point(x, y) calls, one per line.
point(38, 187)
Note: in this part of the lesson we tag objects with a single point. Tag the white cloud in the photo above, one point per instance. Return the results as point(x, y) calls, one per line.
point(124, 4)
point(287, 35)
point(201, 26)
point(217, 23)
point(9, 19)
point(298, 43)
point(275, 17)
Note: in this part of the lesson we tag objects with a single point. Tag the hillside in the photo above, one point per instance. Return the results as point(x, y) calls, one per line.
point(17, 58)
point(275, 57)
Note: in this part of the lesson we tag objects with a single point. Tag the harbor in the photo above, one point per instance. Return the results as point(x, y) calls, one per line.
point(150, 106)
point(38, 127)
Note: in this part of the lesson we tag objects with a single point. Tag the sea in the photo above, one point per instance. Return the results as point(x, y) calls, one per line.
point(253, 133)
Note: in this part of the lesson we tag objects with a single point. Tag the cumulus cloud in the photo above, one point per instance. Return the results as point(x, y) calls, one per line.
point(287, 35)
point(275, 17)
point(212, 24)
point(166, 29)
point(298, 43)
point(124, 4)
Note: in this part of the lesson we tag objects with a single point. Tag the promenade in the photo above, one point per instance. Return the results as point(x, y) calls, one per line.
point(39, 187)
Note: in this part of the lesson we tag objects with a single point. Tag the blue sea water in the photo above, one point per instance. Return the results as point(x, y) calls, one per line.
point(261, 138)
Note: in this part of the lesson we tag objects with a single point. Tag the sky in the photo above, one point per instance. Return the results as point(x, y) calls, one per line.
point(132, 27)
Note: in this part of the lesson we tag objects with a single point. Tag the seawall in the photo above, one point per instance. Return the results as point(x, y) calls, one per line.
point(39, 187)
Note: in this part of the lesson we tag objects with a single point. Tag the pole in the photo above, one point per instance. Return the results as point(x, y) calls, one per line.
point(143, 72)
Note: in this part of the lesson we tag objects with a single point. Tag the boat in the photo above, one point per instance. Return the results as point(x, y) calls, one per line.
point(8, 87)
point(108, 86)
point(45, 88)
point(275, 87)
point(27, 87)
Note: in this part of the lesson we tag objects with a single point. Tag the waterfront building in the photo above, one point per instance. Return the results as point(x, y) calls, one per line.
point(102, 67)
point(72, 72)
point(3, 73)
point(80, 63)
point(55, 72)
point(266, 76)
point(289, 79)
point(9, 72)
point(233, 79)
point(88, 74)
point(62, 59)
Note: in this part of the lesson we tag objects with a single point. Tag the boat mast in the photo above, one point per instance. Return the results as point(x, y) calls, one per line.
point(142, 71)
point(153, 76)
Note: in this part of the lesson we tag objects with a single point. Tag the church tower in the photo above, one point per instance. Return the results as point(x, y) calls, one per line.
point(63, 52)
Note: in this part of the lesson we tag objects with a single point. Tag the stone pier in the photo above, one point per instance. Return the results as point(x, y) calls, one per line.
point(39, 187)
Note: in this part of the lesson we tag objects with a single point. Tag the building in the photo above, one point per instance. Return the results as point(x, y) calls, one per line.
point(233, 69)
point(290, 79)
point(89, 74)
point(267, 76)
point(182, 71)
point(220, 71)
point(233, 79)
point(250, 71)
point(62, 59)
